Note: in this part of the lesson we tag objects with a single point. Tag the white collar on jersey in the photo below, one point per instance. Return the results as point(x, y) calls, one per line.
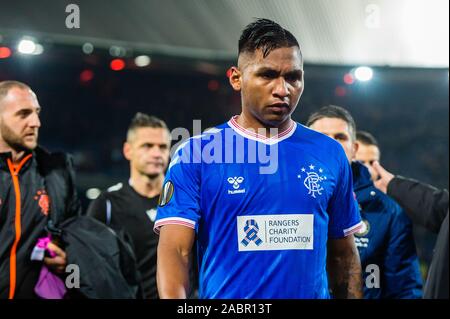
point(250, 134)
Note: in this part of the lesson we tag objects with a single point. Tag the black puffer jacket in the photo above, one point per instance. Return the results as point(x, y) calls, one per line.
point(104, 259)
point(428, 207)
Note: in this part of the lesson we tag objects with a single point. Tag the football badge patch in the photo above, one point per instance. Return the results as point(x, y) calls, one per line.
point(166, 194)
point(364, 229)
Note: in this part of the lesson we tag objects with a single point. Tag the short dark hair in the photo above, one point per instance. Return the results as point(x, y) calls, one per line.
point(5, 86)
point(334, 111)
point(366, 138)
point(266, 35)
point(144, 120)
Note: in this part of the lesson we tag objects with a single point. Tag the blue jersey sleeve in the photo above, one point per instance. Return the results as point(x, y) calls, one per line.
point(344, 216)
point(179, 201)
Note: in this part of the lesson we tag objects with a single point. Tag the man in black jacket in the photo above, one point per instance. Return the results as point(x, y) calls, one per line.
point(428, 207)
point(25, 198)
point(130, 206)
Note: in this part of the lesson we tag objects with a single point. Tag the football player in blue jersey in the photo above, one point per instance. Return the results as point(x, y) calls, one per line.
point(385, 243)
point(270, 201)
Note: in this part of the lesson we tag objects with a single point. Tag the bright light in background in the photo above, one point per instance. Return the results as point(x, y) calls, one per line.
point(425, 30)
point(363, 73)
point(117, 51)
point(349, 79)
point(28, 46)
point(117, 64)
point(87, 48)
point(5, 52)
point(38, 50)
point(86, 76)
point(340, 91)
point(93, 193)
point(142, 61)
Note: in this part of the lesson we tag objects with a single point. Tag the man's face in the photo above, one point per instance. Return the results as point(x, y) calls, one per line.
point(270, 87)
point(19, 119)
point(148, 150)
point(340, 131)
point(367, 154)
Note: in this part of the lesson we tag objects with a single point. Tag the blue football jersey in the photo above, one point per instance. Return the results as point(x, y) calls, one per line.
point(262, 208)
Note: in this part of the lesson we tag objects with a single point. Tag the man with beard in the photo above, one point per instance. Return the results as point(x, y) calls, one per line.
point(131, 206)
point(25, 199)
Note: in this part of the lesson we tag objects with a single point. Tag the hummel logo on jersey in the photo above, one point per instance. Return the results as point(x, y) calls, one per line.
point(236, 182)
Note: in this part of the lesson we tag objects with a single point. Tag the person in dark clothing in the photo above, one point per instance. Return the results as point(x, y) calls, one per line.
point(131, 206)
point(25, 201)
point(368, 151)
point(426, 206)
point(386, 240)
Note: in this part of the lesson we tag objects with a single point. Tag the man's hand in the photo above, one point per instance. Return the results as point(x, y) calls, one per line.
point(385, 177)
point(57, 263)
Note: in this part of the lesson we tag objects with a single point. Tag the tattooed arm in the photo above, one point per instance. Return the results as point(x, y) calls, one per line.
point(344, 268)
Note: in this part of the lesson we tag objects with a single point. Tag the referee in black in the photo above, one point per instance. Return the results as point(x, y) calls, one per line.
point(130, 206)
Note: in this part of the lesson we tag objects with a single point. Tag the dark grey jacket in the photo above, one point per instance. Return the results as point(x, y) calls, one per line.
point(45, 183)
point(427, 206)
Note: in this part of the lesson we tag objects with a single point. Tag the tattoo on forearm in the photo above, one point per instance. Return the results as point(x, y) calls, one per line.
point(348, 281)
point(352, 279)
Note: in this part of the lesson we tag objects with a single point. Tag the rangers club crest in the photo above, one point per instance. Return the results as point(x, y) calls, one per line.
point(312, 179)
point(43, 201)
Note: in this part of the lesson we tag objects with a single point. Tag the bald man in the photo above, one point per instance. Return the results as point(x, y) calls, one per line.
point(25, 199)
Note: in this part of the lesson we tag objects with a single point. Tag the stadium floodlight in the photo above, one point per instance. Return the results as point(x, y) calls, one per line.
point(142, 61)
point(38, 50)
point(88, 48)
point(5, 52)
point(29, 46)
point(117, 64)
point(93, 193)
point(26, 46)
point(363, 73)
point(117, 51)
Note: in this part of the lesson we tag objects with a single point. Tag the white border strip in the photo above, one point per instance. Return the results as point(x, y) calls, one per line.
point(353, 229)
point(173, 221)
point(254, 136)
